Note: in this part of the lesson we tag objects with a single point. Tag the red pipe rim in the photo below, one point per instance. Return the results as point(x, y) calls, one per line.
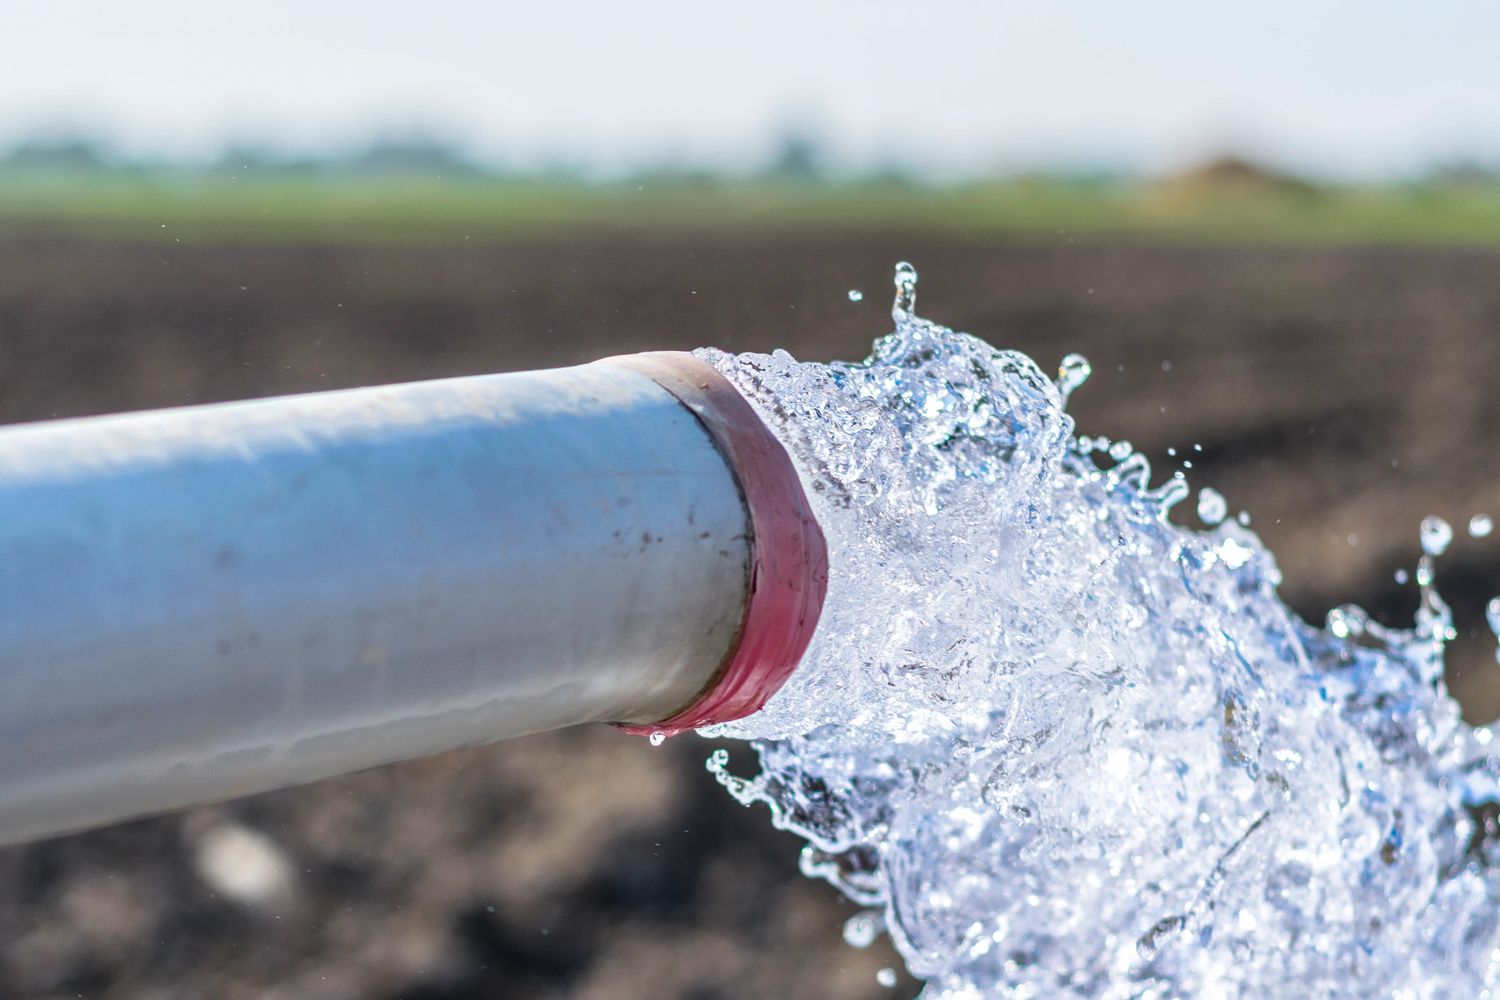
point(788, 577)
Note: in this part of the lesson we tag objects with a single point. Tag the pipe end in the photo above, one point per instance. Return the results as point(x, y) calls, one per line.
point(789, 555)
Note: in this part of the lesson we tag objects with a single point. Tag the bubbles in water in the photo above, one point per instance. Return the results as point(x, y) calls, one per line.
point(855, 295)
point(1436, 535)
point(1212, 507)
point(1480, 526)
point(1064, 748)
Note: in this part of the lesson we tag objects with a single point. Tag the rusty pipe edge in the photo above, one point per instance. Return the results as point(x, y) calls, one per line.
point(211, 601)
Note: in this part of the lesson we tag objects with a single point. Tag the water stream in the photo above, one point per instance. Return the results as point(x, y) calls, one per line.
point(1058, 746)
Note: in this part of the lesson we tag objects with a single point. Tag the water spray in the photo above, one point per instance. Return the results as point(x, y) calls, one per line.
point(1059, 744)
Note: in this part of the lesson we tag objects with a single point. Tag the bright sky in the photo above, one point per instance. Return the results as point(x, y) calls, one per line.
point(1357, 88)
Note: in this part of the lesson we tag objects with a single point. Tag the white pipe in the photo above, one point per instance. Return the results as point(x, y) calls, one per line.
point(212, 601)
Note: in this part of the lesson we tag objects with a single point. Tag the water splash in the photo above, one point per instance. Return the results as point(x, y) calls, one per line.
point(1060, 747)
point(1071, 374)
point(903, 309)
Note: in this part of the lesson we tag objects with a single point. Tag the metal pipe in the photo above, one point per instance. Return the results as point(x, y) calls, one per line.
point(207, 602)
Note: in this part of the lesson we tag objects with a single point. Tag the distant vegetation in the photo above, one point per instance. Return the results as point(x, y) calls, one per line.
point(421, 190)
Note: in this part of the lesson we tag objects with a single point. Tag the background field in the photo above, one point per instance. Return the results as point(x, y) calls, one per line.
point(1228, 201)
point(1334, 351)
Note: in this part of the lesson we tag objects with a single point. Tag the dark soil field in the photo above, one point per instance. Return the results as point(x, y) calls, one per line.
point(1338, 395)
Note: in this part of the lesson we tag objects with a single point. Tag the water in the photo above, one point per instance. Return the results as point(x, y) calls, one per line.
point(1492, 618)
point(1436, 535)
point(1057, 746)
point(1212, 508)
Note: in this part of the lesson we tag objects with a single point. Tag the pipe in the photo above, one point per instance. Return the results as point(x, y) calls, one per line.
point(206, 602)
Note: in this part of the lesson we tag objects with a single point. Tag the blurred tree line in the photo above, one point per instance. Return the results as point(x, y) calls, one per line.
point(798, 157)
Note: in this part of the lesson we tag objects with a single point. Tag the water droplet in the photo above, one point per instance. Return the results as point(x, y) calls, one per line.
point(1436, 534)
point(886, 977)
point(1212, 507)
point(1121, 450)
point(861, 930)
point(1072, 373)
point(1424, 572)
point(1402, 576)
point(855, 295)
point(1336, 624)
point(657, 738)
point(1480, 526)
point(905, 281)
point(1492, 615)
point(1347, 620)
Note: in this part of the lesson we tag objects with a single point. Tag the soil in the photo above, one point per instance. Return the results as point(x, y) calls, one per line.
point(1339, 395)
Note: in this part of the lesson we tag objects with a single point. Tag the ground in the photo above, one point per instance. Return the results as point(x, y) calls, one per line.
point(1338, 394)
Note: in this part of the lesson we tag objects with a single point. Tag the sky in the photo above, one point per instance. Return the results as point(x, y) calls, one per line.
point(951, 87)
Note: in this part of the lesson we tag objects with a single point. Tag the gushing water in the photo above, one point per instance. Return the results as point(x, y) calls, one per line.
point(1060, 747)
